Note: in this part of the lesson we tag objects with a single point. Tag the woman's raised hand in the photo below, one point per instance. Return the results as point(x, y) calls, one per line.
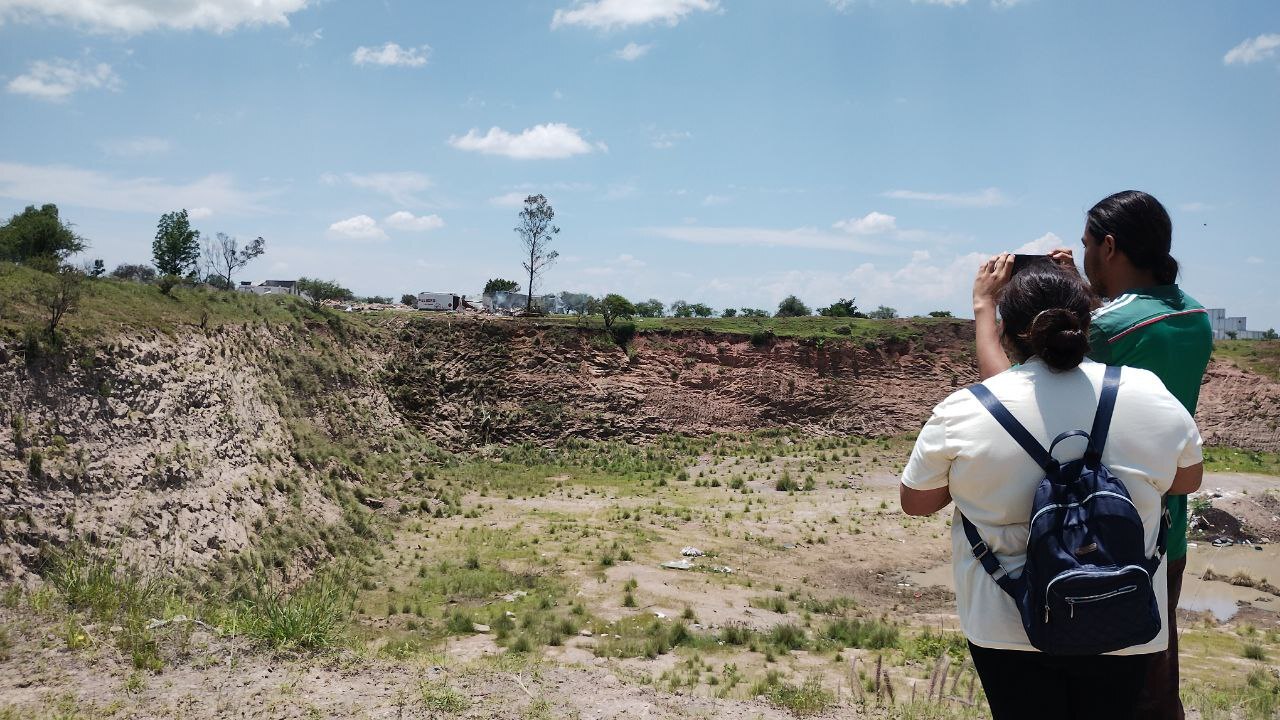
point(993, 275)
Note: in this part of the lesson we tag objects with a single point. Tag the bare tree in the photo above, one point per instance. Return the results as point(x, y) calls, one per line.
point(536, 233)
point(225, 257)
point(59, 294)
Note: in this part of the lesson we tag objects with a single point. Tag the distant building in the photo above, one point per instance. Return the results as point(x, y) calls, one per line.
point(1222, 325)
point(271, 287)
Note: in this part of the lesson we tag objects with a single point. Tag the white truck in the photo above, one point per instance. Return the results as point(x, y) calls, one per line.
point(447, 302)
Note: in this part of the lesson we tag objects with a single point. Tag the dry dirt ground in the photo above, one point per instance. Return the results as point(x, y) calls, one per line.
point(591, 551)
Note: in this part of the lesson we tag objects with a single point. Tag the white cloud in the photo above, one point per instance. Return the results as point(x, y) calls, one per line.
point(1254, 260)
point(92, 189)
point(1195, 207)
point(391, 55)
point(1253, 50)
point(511, 199)
point(873, 223)
point(713, 200)
point(632, 52)
point(399, 186)
point(137, 146)
point(360, 227)
point(990, 197)
point(663, 141)
point(199, 213)
point(549, 141)
point(947, 3)
point(134, 16)
point(611, 14)
point(58, 79)
point(624, 265)
point(1040, 246)
point(841, 5)
point(805, 237)
point(404, 220)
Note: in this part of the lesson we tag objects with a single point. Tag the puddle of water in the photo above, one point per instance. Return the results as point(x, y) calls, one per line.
point(1219, 598)
point(1261, 564)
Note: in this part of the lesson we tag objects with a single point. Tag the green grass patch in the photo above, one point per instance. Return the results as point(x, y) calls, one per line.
point(807, 698)
point(1260, 356)
point(1227, 459)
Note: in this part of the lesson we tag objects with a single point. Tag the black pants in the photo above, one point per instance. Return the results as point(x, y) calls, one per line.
point(1021, 685)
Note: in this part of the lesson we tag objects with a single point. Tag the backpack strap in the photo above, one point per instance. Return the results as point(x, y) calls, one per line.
point(1102, 419)
point(988, 560)
point(1013, 427)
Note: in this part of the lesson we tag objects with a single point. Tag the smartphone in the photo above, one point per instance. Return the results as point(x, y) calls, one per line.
point(1022, 262)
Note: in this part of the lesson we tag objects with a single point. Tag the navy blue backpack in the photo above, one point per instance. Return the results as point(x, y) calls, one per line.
point(1087, 587)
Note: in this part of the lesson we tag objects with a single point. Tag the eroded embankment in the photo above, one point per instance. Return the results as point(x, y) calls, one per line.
point(258, 444)
point(243, 447)
point(470, 382)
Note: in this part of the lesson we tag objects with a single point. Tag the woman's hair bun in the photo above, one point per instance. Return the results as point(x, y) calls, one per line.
point(1059, 337)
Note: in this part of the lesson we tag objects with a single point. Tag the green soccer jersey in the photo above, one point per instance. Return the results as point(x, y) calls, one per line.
point(1163, 330)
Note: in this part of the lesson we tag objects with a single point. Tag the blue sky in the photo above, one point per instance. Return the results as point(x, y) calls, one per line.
point(723, 151)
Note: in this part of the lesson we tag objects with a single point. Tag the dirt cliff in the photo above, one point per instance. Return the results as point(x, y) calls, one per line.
point(260, 444)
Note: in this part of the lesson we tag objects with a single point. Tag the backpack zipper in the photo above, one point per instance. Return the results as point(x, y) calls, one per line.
point(1058, 506)
point(1071, 601)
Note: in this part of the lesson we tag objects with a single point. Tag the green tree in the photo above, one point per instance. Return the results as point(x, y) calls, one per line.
point(1270, 334)
point(940, 313)
point(884, 312)
point(536, 231)
point(38, 233)
point(59, 294)
point(651, 308)
point(225, 257)
point(136, 273)
point(792, 307)
point(729, 312)
point(321, 291)
point(176, 249)
point(753, 312)
point(681, 309)
point(701, 310)
point(614, 307)
point(840, 308)
point(409, 299)
point(576, 303)
point(500, 285)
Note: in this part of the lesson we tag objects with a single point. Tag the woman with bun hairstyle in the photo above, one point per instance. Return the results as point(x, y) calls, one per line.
point(1147, 322)
point(963, 455)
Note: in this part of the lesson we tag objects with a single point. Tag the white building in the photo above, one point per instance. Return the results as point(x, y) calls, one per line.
point(271, 287)
point(1235, 325)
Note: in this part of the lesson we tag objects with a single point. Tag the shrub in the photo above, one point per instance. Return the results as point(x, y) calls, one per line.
point(842, 330)
point(869, 634)
point(311, 617)
point(789, 636)
point(811, 698)
point(167, 283)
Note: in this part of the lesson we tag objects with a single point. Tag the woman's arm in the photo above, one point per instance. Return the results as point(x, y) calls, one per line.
point(992, 275)
point(923, 502)
point(1187, 479)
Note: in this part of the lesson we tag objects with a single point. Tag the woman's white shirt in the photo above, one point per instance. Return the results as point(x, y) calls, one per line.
point(993, 481)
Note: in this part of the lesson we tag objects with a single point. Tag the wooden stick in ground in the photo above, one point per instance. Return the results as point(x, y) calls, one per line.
point(854, 681)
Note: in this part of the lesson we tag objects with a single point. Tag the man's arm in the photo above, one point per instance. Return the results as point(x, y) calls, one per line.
point(993, 275)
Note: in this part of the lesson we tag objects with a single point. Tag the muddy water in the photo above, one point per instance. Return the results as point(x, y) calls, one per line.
point(1217, 597)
